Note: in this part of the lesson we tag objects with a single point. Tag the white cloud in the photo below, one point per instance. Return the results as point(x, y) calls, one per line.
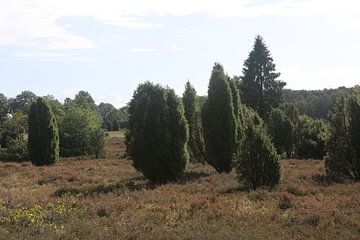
point(50, 56)
point(147, 50)
point(35, 23)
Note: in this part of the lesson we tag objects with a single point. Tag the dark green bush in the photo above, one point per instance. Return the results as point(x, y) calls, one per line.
point(219, 122)
point(311, 137)
point(43, 140)
point(157, 137)
point(196, 146)
point(343, 148)
point(256, 162)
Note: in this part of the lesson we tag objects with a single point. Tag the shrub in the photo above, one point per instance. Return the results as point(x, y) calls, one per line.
point(157, 137)
point(43, 139)
point(196, 146)
point(75, 133)
point(311, 138)
point(256, 162)
point(219, 122)
point(97, 143)
point(343, 147)
point(281, 130)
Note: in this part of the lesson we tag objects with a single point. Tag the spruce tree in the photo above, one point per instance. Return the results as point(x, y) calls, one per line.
point(219, 122)
point(256, 162)
point(43, 139)
point(260, 88)
point(196, 146)
point(157, 136)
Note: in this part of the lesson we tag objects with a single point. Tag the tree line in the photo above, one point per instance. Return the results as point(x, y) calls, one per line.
point(243, 124)
point(80, 124)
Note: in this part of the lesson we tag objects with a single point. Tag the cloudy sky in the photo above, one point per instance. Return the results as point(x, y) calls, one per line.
point(108, 47)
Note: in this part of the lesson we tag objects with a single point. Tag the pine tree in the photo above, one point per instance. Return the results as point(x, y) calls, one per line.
point(43, 139)
point(256, 162)
point(192, 113)
point(157, 137)
point(260, 88)
point(219, 122)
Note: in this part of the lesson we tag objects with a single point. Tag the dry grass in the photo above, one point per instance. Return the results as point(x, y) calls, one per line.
point(108, 199)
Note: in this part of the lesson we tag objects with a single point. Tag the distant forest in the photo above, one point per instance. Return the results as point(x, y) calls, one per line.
point(316, 103)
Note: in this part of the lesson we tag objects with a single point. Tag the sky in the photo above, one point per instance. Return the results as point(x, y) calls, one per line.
point(108, 47)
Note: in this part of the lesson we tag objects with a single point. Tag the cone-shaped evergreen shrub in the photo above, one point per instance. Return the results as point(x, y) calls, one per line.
point(343, 146)
point(219, 122)
point(43, 140)
point(157, 137)
point(257, 163)
point(196, 146)
point(281, 130)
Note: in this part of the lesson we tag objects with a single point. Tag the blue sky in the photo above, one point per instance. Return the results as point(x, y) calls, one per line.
point(108, 47)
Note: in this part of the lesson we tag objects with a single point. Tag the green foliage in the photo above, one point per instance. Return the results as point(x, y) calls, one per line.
point(13, 127)
point(97, 143)
point(260, 88)
point(219, 122)
point(316, 103)
point(157, 137)
point(281, 130)
point(16, 151)
point(311, 137)
point(43, 139)
point(76, 129)
point(57, 108)
point(4, 106)
point(84, 100)
point(343, 147)
point(256, 161)
point(196, 146)
point(22, 102)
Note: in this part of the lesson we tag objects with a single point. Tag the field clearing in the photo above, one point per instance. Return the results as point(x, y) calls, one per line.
point(119, 134)
point(108, 199)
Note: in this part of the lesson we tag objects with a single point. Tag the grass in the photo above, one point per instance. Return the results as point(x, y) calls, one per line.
point(108, 199)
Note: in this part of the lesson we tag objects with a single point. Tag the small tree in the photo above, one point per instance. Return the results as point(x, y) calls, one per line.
point(311, 137)
point(97, 143)
point(196, 146)
point(257, 163)
point(281, 130)
point(219, 122)
point(43, 140)
point(157, 137)
point(343, 147)
point(75, 132)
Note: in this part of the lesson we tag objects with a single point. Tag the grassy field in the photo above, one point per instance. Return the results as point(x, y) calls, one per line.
point(108, 199)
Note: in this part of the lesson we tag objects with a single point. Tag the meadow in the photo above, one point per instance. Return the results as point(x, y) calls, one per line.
point(81, 198)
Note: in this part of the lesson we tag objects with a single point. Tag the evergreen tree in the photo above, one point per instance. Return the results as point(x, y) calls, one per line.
point(219, 122)
point(157, 137)
point(192, 113)
point(97, 143)
point(343, 147)
point(281, 130)
point(43, 139)
point(311, 137)
point(256, 162)
point(260, 88)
